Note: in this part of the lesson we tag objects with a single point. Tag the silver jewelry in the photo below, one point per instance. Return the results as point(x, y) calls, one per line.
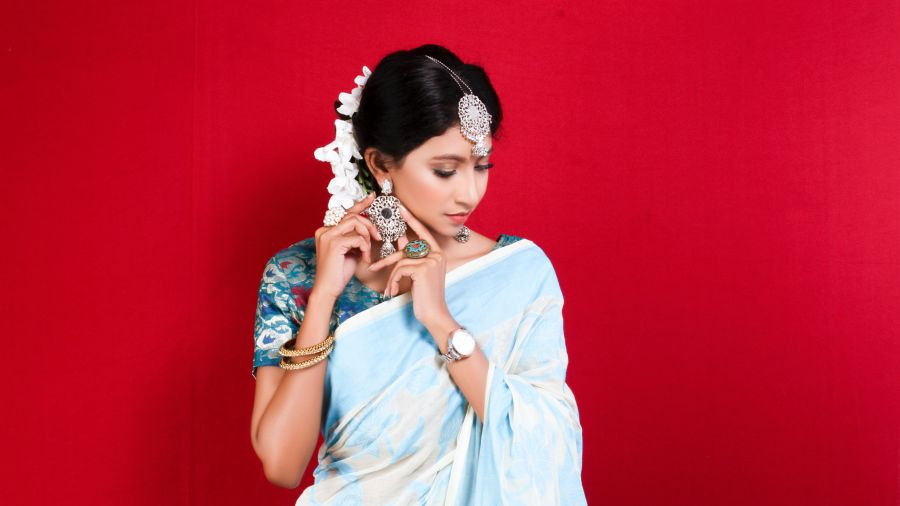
point(474, 119)
point(333, 216)
point(385, 214)
point(463, 234)
point(460, 345)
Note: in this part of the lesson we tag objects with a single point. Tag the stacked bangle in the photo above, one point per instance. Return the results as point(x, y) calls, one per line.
point(287, 350)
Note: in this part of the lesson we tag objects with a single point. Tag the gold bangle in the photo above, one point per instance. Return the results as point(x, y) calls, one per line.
point(287, 349)
point(290, 366)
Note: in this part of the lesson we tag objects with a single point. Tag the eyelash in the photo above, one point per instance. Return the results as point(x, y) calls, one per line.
point(481, 168)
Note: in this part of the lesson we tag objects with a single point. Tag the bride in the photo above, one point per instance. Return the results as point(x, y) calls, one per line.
point(434, 370)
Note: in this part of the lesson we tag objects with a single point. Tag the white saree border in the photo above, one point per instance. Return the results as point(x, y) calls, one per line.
point(461, 454)
point(378, 311)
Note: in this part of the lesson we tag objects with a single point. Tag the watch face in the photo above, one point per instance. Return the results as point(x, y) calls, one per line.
point(463, 342)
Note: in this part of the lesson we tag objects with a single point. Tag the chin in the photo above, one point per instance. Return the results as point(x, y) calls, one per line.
point(449, 230)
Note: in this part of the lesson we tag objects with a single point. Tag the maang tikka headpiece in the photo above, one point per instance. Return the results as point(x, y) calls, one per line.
point(474, 119)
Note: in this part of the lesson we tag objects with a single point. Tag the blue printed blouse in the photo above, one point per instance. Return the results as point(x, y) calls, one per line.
point(283, 291)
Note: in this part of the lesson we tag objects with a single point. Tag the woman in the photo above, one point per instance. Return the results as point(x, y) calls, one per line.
point(435, 372)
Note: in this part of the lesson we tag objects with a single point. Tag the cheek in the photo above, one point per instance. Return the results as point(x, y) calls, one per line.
point(431, 189)
point(424, 193)
point(482, 186)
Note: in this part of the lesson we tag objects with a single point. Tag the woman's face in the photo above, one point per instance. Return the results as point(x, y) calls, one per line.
point(442, 177)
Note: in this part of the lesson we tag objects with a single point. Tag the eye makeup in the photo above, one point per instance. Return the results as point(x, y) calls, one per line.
point(446, 174)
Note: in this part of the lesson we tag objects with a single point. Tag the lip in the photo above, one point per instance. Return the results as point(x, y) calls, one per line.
point(458, 218)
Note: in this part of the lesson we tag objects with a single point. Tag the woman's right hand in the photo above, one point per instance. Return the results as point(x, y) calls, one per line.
point(335, 263)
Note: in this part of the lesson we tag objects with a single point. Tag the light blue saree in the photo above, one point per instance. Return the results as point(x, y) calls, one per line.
point(396, 428)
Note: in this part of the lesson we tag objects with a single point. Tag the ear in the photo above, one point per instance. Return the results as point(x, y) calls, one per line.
point(377, 162)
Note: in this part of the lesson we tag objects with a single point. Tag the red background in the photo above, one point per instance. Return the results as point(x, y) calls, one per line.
point(716, 183)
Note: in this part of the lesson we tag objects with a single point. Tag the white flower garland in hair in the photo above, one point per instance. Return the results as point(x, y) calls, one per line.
point(342, 153)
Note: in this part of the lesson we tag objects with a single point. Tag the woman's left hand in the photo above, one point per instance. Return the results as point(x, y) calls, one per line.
point(426, 274)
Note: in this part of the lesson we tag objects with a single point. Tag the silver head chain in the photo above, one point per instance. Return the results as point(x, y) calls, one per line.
point(474, 119)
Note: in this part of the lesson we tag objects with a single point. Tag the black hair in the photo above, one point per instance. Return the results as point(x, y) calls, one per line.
point(408, 99)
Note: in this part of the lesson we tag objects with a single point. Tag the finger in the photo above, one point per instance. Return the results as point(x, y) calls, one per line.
point(348, 242)
point(360, 229)
point(393, 283)
point(362, 204)
point(406, 268)
point(373, 230)
point(402, 241)
point(418, 228)
point(366, 249)
point(348, 226)
point(370, 230)
point(393, 257)
point(357, 208)
point(350, 229)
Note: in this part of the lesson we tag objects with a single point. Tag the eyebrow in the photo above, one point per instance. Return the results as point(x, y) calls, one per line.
point(457, 157)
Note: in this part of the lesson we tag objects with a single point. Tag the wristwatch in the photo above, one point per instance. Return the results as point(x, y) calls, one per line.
point(460, 345)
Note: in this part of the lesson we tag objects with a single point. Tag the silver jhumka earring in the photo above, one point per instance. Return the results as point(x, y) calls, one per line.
point(474, 119)
point(385, 214)
point(463, 234)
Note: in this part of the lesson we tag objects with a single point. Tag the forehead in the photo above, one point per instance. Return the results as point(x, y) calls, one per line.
point(450, 142)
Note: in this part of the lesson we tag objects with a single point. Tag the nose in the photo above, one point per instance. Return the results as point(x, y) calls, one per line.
point(467, 191)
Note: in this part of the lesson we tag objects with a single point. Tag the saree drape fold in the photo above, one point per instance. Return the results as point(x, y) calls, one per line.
point(396, 428)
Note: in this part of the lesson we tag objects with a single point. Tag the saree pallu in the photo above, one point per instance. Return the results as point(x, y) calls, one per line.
point(397, 430)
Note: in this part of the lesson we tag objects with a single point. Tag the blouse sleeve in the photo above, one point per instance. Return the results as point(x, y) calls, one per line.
point(278, 316)
point(531, 439)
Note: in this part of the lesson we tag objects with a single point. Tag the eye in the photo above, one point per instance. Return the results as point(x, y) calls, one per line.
point(445, 173)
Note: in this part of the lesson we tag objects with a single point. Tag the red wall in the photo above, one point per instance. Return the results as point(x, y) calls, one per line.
point(717, 184)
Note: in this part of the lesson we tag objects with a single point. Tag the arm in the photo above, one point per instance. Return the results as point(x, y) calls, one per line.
point(469, 374)
point(287, 407)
